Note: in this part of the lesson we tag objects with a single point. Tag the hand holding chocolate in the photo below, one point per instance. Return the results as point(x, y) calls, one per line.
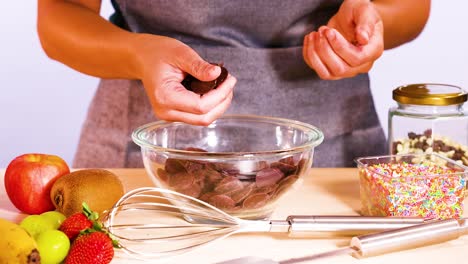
point(200, 87)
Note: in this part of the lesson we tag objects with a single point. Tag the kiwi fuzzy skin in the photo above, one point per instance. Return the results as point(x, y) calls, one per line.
point(99, 188)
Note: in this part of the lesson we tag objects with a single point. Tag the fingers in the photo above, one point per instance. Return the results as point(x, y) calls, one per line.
point(320, 56)
point(213, 98)
point(356, 20)
point(170, 100)
point(189, 61)
point(312, 58)
point(203, 119)
point(179, 104)
point(333, 57)
point(365, 18)
point(355, 55)
point(178, 98)
point(336, 66)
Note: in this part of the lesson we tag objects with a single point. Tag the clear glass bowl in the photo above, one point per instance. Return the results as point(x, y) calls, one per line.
point(241, 164)
point(414, 185)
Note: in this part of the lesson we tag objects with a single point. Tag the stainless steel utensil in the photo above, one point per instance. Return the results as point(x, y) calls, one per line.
point(429, 233)
point(425, 234)
point(155, 222)
point(259, 260)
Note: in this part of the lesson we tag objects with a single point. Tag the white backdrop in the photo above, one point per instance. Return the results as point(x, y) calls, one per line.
point(43, 103)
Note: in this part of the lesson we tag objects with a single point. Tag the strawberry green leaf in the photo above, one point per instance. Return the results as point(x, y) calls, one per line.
point(97, 226)
point(93, 216)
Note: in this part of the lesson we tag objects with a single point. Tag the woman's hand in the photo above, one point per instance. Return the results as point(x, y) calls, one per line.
point(107, 51)
point(349, 44)
point(164, 63)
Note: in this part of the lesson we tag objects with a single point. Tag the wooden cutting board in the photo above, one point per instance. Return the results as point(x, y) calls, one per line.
point(324, 191)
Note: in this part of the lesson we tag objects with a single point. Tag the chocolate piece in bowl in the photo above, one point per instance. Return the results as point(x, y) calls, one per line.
point(162, 174)
point(174, 166)
point(228, 185)
point(181, 180)
point(255, 201)
point(222, 201)
point(211, 178)
point(286, 168)
point(268, 176)
point(269, 189)
point(206, 196)
point(239, 195)
point(193, 190)
point(193, 166)
point(241, 163)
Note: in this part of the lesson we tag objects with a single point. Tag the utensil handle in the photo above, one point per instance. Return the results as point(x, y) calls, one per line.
point(346, 225)
point(405, 238)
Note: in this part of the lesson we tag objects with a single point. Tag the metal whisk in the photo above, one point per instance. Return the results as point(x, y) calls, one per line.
point(155, 222)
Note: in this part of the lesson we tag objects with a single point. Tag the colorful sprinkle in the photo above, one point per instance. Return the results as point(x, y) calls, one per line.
point(415, 190)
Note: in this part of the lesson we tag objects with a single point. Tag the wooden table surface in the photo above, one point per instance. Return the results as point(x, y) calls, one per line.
point(324, 191)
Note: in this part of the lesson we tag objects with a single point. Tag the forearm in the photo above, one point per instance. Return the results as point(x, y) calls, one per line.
point(403, 20)
point(77, 36)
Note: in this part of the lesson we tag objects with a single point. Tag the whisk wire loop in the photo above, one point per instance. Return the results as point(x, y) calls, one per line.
point(168, 223)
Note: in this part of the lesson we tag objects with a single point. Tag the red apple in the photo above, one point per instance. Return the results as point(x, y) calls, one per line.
point(29, 178)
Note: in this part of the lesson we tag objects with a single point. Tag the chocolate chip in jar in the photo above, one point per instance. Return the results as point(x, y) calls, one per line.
point(428, 143)
point(201, 87)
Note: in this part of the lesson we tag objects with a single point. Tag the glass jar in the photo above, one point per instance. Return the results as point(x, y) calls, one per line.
point(429, 118)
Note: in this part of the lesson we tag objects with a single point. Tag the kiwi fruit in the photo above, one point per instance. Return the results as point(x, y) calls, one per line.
point(99, 188)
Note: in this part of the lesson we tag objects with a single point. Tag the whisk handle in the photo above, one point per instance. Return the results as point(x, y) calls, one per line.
point(299, 225)
point(429, 233)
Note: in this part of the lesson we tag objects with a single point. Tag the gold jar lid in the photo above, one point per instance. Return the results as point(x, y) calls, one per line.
point(430, 94)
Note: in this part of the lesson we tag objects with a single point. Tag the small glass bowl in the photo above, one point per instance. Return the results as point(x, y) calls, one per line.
point(241, 164)
point(413, 185)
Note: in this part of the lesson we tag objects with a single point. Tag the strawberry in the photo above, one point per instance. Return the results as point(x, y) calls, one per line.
point(74, 224)
point(94, 247)
point(78, 222)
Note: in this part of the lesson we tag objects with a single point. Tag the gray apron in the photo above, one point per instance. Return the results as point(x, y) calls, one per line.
point(260, 43)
